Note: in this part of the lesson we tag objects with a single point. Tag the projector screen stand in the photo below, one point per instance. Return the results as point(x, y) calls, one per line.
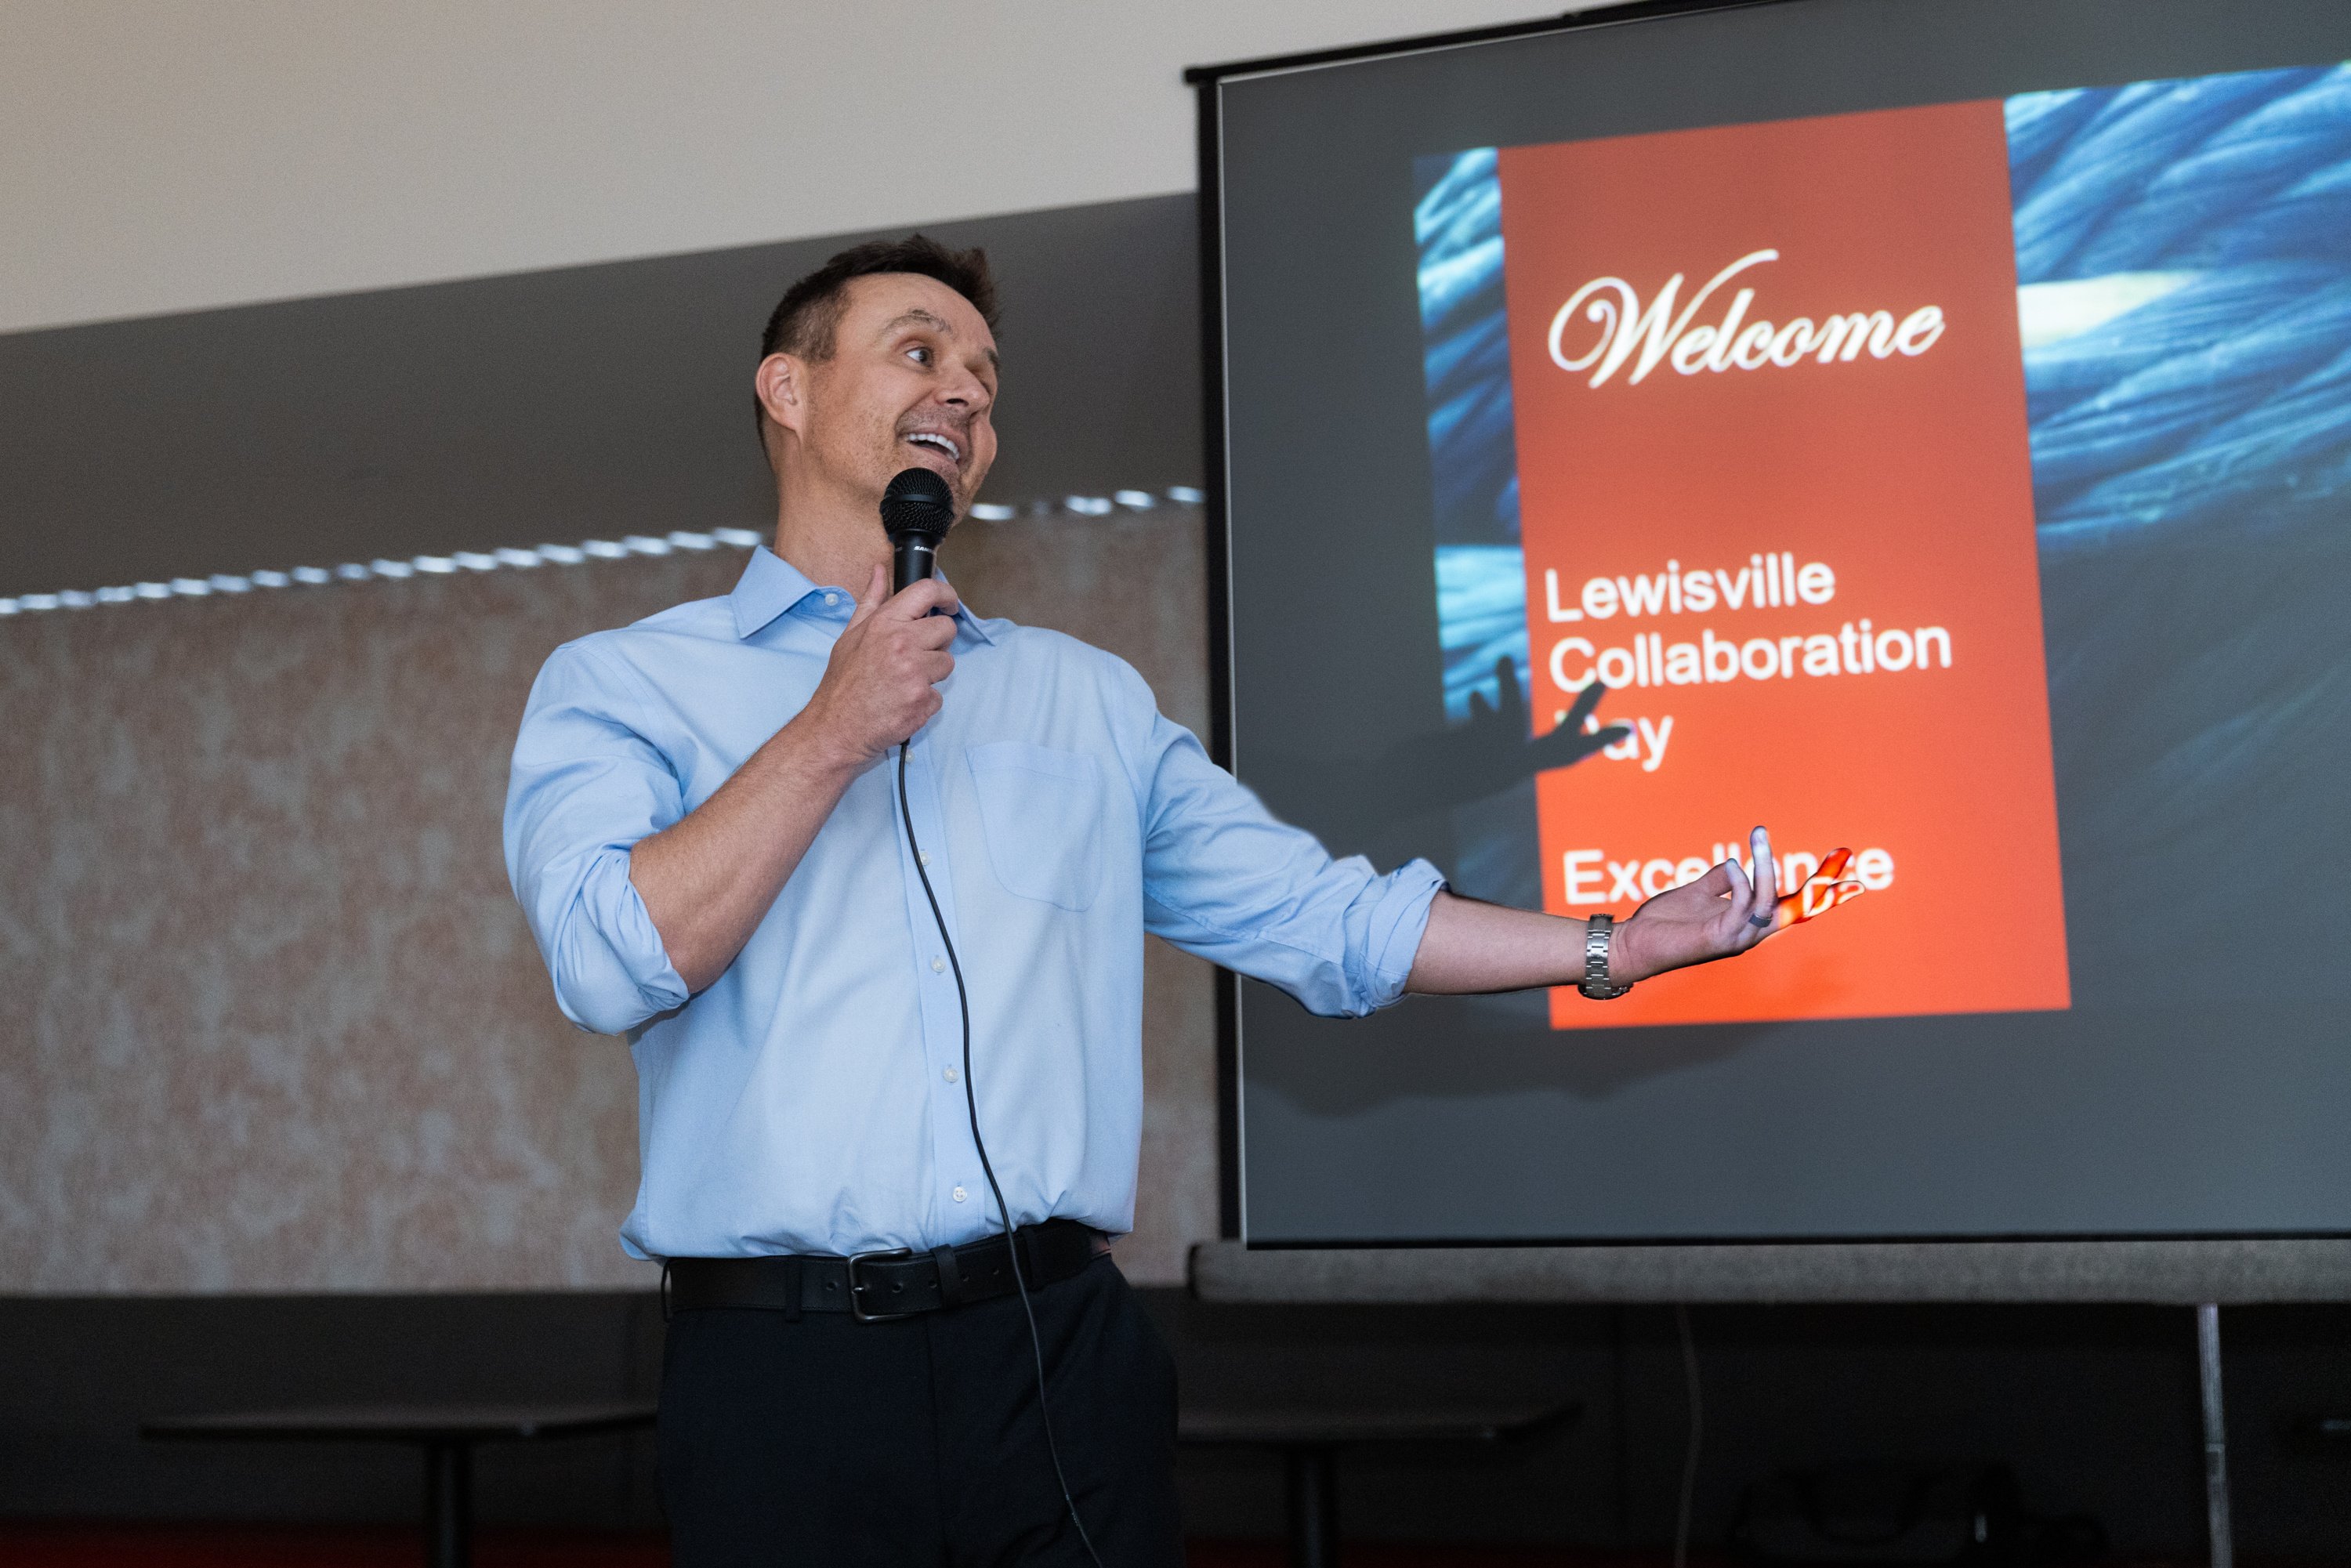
point(2216, 1435)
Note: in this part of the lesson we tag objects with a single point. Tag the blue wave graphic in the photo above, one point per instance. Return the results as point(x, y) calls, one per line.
point(2191, 469)
point(1481, 616)
point(2225, 403)
point(1481, 577)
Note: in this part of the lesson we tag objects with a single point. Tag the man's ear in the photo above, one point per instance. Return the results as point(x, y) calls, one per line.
point(781, 384)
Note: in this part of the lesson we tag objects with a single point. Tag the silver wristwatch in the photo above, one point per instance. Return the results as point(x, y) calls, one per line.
point(1596, 961)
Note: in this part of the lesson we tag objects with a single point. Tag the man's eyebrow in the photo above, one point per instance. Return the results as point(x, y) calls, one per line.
point(920, 316)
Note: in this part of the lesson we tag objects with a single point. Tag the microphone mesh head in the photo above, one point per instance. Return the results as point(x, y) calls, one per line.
point(917, 502)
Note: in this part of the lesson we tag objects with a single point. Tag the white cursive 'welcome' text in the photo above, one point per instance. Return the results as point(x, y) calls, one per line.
point(1734, 342)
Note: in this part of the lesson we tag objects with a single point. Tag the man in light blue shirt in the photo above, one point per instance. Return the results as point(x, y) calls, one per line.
point(704, 828)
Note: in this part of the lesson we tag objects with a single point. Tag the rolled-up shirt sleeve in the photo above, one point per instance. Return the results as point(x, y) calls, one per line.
point(1224, 878)
point(586, 786)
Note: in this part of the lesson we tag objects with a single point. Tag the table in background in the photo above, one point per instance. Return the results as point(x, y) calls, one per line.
point(446, 1434)
point(1309, 1440)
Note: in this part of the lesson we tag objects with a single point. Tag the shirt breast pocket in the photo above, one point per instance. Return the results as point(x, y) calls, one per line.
point(1042, 811)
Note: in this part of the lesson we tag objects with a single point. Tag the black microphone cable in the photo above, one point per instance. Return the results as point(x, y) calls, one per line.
point(971, 1105)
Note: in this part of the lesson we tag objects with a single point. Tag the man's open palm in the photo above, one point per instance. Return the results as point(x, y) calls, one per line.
point(1722, 913)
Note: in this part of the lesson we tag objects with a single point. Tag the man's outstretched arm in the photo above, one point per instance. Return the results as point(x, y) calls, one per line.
point(1472, 946)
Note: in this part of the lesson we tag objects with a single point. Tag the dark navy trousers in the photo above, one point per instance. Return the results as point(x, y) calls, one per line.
point(822, 1439)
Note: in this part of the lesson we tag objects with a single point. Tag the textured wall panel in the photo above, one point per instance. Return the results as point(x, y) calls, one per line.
point(273, 1019)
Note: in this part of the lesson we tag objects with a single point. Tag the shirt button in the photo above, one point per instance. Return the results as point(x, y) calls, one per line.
point(951, 1075)
point(831, 600)
point(924, 856)
point(938, 965)
point(960, 1194)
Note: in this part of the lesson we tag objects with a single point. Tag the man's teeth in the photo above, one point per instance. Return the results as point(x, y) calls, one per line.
point(924, 438)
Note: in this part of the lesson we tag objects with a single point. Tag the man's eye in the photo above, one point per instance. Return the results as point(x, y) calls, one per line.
point(921, 354)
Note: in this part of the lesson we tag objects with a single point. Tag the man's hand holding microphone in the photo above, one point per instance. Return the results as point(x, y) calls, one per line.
point(882, 683)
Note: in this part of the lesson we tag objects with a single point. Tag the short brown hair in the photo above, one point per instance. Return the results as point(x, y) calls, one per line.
point(807, 317)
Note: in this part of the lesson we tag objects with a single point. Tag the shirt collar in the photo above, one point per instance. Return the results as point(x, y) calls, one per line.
point(771, 586)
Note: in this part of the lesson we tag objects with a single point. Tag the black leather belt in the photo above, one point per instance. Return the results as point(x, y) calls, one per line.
point(878, 1286)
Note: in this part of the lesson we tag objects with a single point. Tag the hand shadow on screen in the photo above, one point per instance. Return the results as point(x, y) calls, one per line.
point(1355, 803)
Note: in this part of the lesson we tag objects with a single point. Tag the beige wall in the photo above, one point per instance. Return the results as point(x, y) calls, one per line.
point(273, 1019)
point(165, 155)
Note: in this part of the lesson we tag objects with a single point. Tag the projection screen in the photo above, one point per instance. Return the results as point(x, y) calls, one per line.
point(1930, 423)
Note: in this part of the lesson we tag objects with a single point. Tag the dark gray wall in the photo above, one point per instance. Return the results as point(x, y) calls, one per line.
point(590, 402)
point(2096, 1408)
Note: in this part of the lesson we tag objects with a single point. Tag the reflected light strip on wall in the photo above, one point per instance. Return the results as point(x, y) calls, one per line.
point(543, 555)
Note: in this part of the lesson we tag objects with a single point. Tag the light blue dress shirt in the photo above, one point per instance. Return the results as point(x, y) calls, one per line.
point(811, 1100)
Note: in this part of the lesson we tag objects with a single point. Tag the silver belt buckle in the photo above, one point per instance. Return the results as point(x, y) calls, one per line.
point(856, 1304)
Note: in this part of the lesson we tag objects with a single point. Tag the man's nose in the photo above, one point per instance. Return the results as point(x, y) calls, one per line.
point(964, 389)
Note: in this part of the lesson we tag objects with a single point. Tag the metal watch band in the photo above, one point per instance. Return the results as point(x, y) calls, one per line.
point(1596, 960)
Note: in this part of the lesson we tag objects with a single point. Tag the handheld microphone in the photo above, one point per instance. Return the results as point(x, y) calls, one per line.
point(917, 511)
